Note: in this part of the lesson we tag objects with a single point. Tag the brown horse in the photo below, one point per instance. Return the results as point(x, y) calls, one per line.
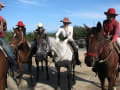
point(102, 54)
point(3, 70)
point(23, 51)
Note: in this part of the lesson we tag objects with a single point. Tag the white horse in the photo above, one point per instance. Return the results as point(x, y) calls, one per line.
point(62, 55)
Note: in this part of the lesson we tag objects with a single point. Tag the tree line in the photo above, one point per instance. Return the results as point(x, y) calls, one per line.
point(78, 33)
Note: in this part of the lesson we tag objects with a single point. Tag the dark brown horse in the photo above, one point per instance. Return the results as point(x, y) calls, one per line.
point(102, 54)
point(3, 70)
point(23, 51)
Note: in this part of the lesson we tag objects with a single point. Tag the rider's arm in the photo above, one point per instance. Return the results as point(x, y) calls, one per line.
point(70, 34)
point(116, 31)
point(104, 28)
point(22, 39)
point(3, 23)
point(58, 33)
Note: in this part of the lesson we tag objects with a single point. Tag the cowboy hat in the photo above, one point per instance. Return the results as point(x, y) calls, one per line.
point(20, 23)
point(40, 25)
point(111, 11)
point(66, 20)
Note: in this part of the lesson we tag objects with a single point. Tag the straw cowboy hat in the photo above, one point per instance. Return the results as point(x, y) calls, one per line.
point(40, 25)
point(66, 20)
point(20, 23)
point(2, 5)
point(111, 11)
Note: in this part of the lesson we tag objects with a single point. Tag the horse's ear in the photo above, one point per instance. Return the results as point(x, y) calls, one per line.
point(99, 26)
point(86, 27)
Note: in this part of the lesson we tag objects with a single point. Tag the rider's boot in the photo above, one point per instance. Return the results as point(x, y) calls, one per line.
point(78, 62)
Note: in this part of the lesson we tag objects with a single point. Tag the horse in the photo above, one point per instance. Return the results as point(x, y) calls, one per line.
point(40, 54)
point(23, 51)
point(62, 56)
point(102, 54)
point(3, 69)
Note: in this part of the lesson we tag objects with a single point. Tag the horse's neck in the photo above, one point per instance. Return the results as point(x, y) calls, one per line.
point(25, 48)
point(106, 50)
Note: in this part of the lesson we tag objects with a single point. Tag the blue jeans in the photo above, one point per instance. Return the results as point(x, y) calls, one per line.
point(8, 50)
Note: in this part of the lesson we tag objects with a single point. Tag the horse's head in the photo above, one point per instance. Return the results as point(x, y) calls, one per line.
point(17, 38)
point(42, 47)
point(95, 41)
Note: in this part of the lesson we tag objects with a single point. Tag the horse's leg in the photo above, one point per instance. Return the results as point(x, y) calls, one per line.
point(6, 81)
point(37, 63)
point(58, 75)
point(2, 83)
point(111, 81)
point(102, 80)
point(73, 67)
point(42, 65)
point(69, 77)
point(30, 69)
point(20, 72)
point(46, 62)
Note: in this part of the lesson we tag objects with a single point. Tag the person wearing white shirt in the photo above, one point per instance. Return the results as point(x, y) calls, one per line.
point(67, 32)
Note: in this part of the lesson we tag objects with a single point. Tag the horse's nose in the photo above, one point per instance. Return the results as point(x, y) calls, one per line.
point(88, 61)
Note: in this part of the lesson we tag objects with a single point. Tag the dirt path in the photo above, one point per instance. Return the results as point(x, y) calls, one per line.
point(85, 79)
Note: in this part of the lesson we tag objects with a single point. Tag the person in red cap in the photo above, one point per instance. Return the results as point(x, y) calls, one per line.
point(67, 32)
point(21, 26)
point(3, 43)
point(111, 25)
point(110, 28)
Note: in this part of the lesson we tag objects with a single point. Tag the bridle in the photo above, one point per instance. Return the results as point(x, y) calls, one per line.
point(97, 56)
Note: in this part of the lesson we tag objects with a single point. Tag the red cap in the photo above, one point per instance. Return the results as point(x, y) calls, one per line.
point(20, 23)
point(111, 11)
point(66, 20)
point(2, 5)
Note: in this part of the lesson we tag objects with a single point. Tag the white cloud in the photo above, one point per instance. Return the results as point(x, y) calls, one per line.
point(87, 15)
point(33, 2)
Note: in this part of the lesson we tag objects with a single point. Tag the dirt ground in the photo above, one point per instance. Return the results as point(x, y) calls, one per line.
point(85, 78)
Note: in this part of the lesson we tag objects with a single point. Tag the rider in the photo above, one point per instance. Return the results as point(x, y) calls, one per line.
point(111, 27)
point(39, 31)
point(67, 32)
point(21, 26)
point(3, 43)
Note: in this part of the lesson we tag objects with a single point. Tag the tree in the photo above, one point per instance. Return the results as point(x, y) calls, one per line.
point(79, 32)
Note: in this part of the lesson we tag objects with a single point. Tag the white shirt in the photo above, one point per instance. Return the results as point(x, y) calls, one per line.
point(66, 32)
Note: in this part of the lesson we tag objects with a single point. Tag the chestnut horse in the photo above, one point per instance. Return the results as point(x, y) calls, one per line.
point(101, 52)
point(3, 70)
point(23, 51)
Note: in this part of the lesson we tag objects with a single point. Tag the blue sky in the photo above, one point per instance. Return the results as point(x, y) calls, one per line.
point(50, 12)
